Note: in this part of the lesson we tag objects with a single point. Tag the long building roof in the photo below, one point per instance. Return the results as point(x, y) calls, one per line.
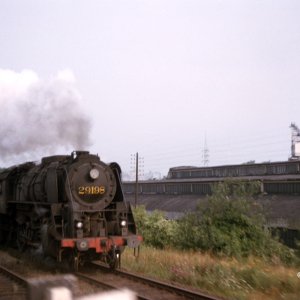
point(280, 210)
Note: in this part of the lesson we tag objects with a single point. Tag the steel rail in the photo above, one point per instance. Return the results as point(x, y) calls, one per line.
point(106, 286)
point(21, 280)
point(12, 291)
point(185, 292)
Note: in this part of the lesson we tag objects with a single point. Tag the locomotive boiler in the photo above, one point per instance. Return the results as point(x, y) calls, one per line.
point(71, 206)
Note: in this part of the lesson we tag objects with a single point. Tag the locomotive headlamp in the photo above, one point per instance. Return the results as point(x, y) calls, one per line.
point(79, 225)
point(94, 173)
point(123, 223)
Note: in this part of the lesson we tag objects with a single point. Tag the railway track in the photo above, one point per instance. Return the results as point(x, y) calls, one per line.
point(145, 288)
point(94, 279)
point(12, 286)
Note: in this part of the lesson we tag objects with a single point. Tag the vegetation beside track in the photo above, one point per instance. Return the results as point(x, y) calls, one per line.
point(231, 224)
point(223, 248)
point(230, 278)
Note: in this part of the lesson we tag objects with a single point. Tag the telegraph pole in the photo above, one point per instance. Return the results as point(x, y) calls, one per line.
point(136, 172)
point(136, 178)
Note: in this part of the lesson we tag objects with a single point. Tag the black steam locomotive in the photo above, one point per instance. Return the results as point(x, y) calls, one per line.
point(71, 206)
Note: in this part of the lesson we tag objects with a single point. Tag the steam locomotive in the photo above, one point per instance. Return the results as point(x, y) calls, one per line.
point(71, 206)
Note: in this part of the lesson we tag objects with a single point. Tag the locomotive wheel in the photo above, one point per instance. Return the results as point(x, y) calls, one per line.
point(113, 259)
point(24, 235)
point(74, 261)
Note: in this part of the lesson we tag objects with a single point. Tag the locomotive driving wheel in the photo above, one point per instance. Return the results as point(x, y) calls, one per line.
point(75, 261)
point(24, 236)
point(113, 258)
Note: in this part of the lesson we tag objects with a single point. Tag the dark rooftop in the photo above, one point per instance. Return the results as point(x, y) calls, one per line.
point(280, 210)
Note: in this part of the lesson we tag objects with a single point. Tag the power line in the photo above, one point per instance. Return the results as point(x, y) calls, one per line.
point(268, 147)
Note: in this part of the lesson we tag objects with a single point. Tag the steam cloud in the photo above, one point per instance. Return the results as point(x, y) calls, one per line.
point(40, 116)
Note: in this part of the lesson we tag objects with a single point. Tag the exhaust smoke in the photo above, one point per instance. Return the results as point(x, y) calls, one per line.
point(40, 117)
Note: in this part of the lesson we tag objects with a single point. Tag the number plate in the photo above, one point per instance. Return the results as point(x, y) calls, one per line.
point(91, 190)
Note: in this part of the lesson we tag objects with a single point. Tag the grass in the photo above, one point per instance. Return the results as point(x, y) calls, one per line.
point(229, 278)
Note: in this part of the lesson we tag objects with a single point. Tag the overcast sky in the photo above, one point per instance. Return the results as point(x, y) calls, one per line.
point(154, 77)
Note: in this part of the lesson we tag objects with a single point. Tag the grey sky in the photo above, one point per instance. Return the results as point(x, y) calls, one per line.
point(158, 76)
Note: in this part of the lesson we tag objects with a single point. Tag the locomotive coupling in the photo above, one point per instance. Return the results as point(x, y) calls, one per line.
point(82, 245)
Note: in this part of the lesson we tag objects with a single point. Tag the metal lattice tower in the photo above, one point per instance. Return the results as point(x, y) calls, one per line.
point(295, 143)
point(205, 154)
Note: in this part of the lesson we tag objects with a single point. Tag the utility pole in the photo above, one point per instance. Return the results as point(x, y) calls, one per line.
point(136, 178)
point(136, 172)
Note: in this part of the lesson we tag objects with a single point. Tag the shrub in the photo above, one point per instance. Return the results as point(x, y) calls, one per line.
point(232, 224)
point(155, 229)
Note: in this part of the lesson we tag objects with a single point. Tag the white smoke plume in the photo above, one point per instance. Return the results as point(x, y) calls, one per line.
point(40, 116)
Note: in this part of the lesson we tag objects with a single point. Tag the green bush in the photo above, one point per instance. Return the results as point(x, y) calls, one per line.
point(155, 229)
point(232, 224)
